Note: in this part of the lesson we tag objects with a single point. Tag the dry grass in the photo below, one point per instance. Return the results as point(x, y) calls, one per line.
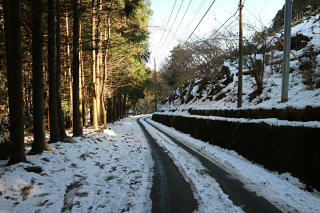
point(25, 191)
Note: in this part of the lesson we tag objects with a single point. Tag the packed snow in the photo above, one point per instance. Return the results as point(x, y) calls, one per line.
point(108, 171)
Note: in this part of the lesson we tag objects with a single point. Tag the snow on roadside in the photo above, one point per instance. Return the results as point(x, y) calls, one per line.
point(109, 171)
point(282, 190)
point(269, 121)
point(206, 190)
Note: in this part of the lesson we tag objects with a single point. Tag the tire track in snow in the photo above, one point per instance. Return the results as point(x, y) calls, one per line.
point(249, 201)
point(170, 192)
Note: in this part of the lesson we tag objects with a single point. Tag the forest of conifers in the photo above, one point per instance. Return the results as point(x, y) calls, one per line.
point(68, 64)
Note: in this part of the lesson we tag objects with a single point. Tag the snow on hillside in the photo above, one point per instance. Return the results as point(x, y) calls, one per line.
point(300, 94)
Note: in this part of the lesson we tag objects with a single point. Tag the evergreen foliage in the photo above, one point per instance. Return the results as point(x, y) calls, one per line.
point(118, 48)
point(298, 6)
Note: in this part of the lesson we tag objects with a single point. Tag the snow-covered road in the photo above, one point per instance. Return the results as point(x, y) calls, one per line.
point(216, 189)
point(112, 171)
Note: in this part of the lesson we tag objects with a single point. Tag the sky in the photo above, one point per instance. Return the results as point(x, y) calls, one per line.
point(165, 33)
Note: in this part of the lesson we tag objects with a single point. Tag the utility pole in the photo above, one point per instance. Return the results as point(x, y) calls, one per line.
point(286, 51)
point(239, 99)
point(155, 86)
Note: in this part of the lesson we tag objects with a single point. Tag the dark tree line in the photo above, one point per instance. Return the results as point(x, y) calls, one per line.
point(106, 62)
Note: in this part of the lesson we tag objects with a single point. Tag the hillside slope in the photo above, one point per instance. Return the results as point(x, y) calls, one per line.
point(304, 82)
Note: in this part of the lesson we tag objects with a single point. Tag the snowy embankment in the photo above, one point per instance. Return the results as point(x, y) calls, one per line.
point(100, 172)
point(197, 96)
point(283, 190)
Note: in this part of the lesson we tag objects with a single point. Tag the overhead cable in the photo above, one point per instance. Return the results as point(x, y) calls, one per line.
point(173, 22)
point(200, 21)
point(167, 23)
point(179, 24)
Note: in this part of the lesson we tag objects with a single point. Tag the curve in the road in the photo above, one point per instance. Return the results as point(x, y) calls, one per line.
point(170, 192)
point(249, 201)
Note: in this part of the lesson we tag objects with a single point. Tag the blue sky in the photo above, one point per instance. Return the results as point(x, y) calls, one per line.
point(258, 13)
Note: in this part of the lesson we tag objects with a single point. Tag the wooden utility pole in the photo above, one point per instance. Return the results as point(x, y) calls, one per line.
point(155, 86)
point(239, 101)
point(286, 51)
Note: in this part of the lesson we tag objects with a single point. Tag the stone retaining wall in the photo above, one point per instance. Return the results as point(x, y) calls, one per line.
point(279, 148)
point(290, 114)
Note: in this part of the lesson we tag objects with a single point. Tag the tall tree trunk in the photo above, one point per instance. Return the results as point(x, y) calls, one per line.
point(94, 71)
point(83, 86)
point(124, 113)
point(69, 71)
point(99, 64)
point(27, 101)
point(104, 111)
point(104, 78)
point(84, 99)
point(54, 127)
point(107, 34)
point(119, 110)
point(80, 74)
point(91, 109)
point(37, 78)
point(77, 126)
point(12, 15)
point(47, 96)
point(98, 87)
point(109, 107)
point(62, 131)
point(114, 109)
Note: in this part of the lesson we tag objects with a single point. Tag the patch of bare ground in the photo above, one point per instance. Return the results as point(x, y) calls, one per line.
point(25, 191)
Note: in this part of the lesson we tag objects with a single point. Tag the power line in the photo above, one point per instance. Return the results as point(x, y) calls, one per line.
point(196, 13)
point(179, 24)
point(226, 22)
point(254, 16)
point(173, 21)
point(167, 23)
point(216, 31)
point(182, 18)
point(200, 21)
